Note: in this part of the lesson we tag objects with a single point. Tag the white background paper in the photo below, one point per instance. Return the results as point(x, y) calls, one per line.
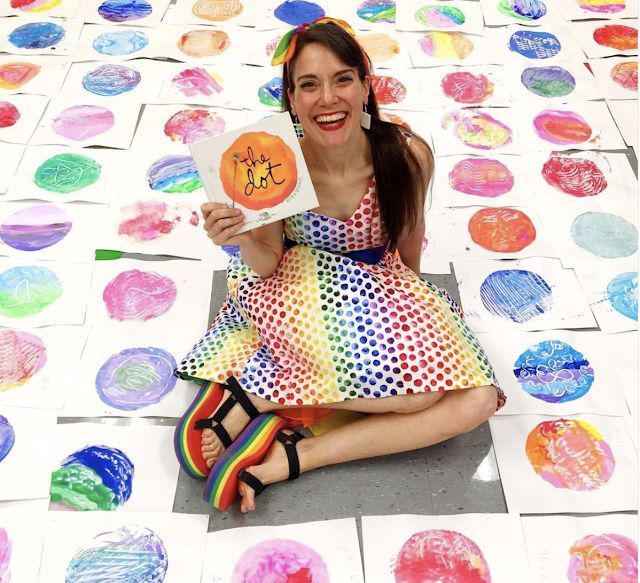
point(30, 108)
point(10, 154)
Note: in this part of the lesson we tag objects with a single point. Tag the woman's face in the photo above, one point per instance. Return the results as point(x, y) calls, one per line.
point(327, 96)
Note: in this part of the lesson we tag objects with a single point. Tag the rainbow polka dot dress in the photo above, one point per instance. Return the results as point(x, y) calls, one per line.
point(327, 327)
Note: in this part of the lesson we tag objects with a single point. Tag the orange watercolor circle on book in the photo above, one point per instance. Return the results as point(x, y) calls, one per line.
point(258, 170)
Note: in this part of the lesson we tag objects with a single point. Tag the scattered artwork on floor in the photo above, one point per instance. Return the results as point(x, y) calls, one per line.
point(616, 76)
point(134, 12)
point(578, 549)
point(526, 294)
point(34, 75)
point(387, 50)
point(39, 36)
point(34, 365)
point(239, 12)
point(574, 463)
point(435, 258)
point(588, 9)
point(406, 548)
point(556, 372)
point(455, 16)
point(107, 467)
point(532, 13)
point(606, 38)
point(19, 116)
point(149, 547)
point(99, 42)
point(21, 478)
point(316, 551)
point(436, 48)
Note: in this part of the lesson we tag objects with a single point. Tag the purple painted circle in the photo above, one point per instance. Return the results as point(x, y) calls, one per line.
point(35, 227)
point(7, 437)
point(81, 122)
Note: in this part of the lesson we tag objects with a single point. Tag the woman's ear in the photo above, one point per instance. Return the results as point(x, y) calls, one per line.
point(367, 88)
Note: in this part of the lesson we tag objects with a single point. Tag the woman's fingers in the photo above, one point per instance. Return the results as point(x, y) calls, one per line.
point(221, 222)
point(224, 229)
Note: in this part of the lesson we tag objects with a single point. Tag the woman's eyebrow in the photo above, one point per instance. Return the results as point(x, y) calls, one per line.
point(336, 74)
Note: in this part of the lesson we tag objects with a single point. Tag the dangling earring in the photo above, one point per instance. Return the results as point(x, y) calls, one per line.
point(365, 118)
point(297, 126)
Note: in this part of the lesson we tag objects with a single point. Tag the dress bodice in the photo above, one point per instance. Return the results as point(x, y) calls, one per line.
point(363, 230)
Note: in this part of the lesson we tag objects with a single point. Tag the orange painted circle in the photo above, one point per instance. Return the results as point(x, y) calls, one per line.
point(217, 10)
point(265, 172)
point(504, 230)
point(204, 43)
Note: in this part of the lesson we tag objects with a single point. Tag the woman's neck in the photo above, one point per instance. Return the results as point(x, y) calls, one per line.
point(338, 161)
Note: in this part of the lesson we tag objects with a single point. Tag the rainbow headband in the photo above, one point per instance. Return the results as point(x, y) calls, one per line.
point(287, 45)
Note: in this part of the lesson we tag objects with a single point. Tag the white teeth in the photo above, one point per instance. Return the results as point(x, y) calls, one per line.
point(330, 118)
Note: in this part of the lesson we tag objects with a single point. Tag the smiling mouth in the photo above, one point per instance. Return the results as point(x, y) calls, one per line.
point(329, 118)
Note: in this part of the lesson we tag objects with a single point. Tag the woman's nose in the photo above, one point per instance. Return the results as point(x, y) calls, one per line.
point(327, 94)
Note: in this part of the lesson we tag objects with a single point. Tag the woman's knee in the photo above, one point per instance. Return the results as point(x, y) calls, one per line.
point(416, 402)
point(477, 406)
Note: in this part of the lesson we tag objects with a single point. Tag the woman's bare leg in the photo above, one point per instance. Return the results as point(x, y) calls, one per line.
point(386, 433)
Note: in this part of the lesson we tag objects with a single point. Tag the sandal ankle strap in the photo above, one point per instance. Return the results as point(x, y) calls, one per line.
point(289, 442)
point(241, 398)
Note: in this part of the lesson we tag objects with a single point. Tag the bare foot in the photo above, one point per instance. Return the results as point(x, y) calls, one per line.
point(273, 468)
point(235, 421)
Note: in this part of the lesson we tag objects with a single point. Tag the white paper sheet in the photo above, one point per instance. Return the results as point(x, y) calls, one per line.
point(527, 294)
point(277, 14)
point(99, 42)
point(456, 15)
point(25, 111)
point(10, 154)
point(590, 457)
point(197, 12)
point(561, 547)
point(556, 372)
point(436, 255)
point(147, 13)
point(491, 180)
point(35, 368)
point(327, 549)
point(22, 529)
point(147, 472)
point(399, 89)
point(613, 36)
point(615, 76)
point(612, 291)
point(489, 547)
point(34, 75)
point(65, 9)
point(625, 114)
point(43, 293)
point(386, 49)
point(106, 544)
point(38, 35)
point(63, 174)
point(584, 126)
point(135, 295)
point(588, 9)
point(88, 122)
point(535, 13)
point(26, 454)
point(437, 48)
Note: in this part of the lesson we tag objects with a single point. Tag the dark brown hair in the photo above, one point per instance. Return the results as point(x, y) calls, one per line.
point(401, 178)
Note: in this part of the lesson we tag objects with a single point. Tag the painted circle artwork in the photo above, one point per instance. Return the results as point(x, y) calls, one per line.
point(437, 16)
point(605, 235)
point(280, 561)
point(483, 177)
point(22, 355)
point(626, 75)
point(9, 114)
point(295, 12)
point(197, 81)
point(139, 295)
point(446, 45)
point(111, 79)
point(204, 43)
point(35, 227)
point(388, 90)
point(35, 5)
point(136, 378)
point(524, 10)
point(17, 74)
point(603, 6)
point(120, 42)
point(133, 550)
point(7, 437)
point(603, 557)
point(548, 81)
point(96, 477)
point(534, 44)
point(622, 293)
point(124, 10)
point(394, 118)
point(217, 10)
point(379, 46)
point(65, 173)
point(570, 454)
point(518, 295)
point(265, 173)
point(5, 555)
point(441, 555)
point(503, 230)
point(574, 175)
point(148, 220)
point(174, 174)
point(554, 372)
point(270, 93)
point(465, 87)
point(617, 36)
point(272, 45)
point(37, 35)
point(562, 127)
point(26, 290)
point(477, 129)
point(81, 122)
point(193, 125)
point(377, 11)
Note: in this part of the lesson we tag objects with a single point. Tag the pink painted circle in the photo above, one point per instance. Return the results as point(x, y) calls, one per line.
point(22, 355)
point(82, 122)
point(603, 557)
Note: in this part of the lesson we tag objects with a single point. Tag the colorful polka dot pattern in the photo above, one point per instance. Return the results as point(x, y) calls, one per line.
point(325, 328)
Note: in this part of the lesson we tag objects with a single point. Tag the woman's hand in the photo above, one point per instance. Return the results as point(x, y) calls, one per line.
point(223, 223)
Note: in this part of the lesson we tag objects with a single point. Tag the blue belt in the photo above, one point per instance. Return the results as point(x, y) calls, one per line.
point(370, 256)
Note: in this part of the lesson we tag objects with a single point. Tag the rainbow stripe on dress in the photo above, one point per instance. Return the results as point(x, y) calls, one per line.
point(248, 449)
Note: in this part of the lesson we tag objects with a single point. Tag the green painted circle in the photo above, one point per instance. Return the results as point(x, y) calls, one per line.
point(66, 173)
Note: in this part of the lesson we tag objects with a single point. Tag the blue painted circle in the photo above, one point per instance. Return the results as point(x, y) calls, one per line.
point(121, 42)
point(7, 437)
point(111, 79)
point(124, 10)
point(36, 35)
point(295, 12)
point(534, 44)
point(622, 293)
point(605, 235)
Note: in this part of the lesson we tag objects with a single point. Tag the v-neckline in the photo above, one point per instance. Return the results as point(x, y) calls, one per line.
point(353, 214)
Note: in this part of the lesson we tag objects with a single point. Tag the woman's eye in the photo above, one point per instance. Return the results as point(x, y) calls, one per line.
point(307, 84)
point(345, 79)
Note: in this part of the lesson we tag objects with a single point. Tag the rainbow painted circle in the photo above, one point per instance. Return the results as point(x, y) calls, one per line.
point(35, 227)
point(26, 290)
point(174, 174)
